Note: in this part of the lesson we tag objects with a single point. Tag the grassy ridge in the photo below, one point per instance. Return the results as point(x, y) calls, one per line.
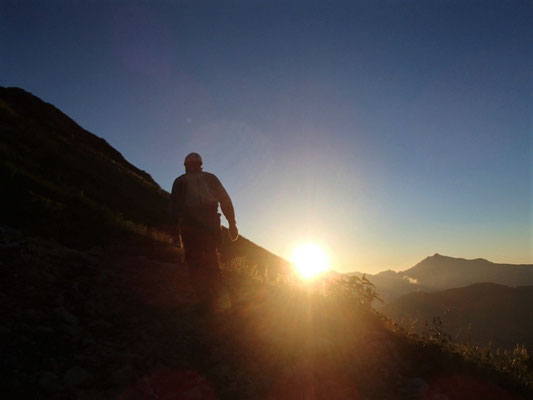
point(61, 179)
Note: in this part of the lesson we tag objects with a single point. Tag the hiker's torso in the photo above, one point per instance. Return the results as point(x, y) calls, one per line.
point(199, 198)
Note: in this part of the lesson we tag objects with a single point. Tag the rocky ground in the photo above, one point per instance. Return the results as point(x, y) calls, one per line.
point(120, 322)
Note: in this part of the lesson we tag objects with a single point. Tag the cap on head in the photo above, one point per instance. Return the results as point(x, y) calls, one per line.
point(192, 159)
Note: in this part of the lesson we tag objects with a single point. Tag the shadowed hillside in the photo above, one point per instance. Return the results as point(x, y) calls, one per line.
point(60, 177)
point(483, 313)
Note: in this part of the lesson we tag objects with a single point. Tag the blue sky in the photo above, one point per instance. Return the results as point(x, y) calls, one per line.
point(386, 131)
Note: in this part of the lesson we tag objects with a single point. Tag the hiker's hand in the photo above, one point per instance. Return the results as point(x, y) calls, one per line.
point(176, 235)
point(233, 232)
point(176, 240)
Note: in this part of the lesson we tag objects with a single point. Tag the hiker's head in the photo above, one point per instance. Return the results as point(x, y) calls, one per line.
point(193, 162)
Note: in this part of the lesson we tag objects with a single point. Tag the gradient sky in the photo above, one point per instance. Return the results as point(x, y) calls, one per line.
point(384, 130)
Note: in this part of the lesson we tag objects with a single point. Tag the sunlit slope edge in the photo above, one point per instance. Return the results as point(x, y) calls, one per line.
point(63, 182)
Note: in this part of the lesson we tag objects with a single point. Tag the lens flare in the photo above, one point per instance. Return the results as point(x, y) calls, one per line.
point(310, 260)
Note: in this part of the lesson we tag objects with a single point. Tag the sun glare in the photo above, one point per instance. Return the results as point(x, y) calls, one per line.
point(310, 260)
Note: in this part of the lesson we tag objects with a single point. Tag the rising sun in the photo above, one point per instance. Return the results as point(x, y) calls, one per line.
point(310, 260)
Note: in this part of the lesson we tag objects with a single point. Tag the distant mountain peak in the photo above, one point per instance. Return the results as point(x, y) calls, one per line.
point(441, 272)
point(435, 256)
point(389, 273)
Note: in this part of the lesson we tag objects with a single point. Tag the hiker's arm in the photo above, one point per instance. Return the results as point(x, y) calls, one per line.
point(175, 204)
point(225, 203)
point(227, 209)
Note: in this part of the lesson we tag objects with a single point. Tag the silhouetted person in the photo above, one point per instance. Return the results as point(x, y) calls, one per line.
point(194, 209)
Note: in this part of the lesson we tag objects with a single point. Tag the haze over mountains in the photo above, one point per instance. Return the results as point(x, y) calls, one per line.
point(440, 272)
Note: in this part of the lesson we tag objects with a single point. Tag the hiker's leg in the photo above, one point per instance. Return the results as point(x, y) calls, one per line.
point(219, 294)
point(192, 248)
point(194, 257)
point(204, 268)
point(202, 274)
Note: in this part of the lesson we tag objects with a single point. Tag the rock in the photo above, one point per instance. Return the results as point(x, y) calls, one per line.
point(52, 362)
point(44, 329)
point(417, 385)
point(60, 300)
point(48, 380)
point(123, 375)
point(100, 325)
point(5, 330)
point(29, 313)
point(223, 370)
point(66, 316)
point(72, 330)
point(427, 368)
point(75, 376)
point(194, 393)
point(323, 345)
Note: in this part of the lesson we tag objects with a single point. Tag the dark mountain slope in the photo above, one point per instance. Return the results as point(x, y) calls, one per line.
point(29, 110)
point(486, 312)
point(57, 177)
